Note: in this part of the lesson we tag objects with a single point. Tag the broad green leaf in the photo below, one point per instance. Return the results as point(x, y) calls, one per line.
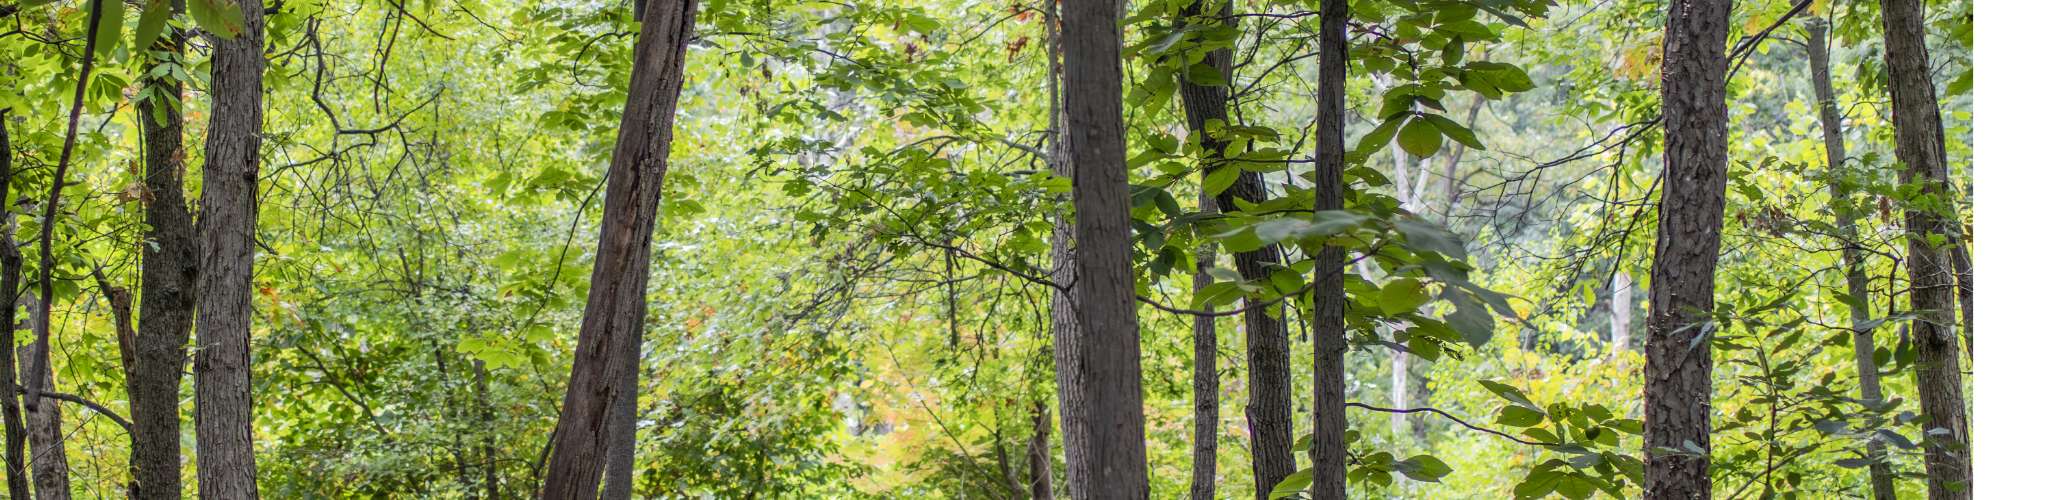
point(1402, 295)
point(1419, 138)
point(151, 24)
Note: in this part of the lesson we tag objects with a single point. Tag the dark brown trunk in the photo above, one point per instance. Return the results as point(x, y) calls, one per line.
point(1921, 147)
point(1204, 379)
point(169, 268)
point(1684, 273)
point(1108, 345)
point(1329, 297)
point(597, 424)
point(1064, 331)
point(1964, 281)
point(1268, 349)
point(1850, 254)
point(228, 217)
point(10, 283)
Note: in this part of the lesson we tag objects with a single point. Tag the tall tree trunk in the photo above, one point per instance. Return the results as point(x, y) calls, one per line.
point(1850, 253)
point(1329, 298)
point(169, 267)
point(228, 217)
point(1103, 289)
point(10, 287)
point(1204, 439)
point(49, 467)
point(1921, 147)
point(1065, 332)
point(1964, 279)
point(1684, 273)
point(597, 424)
point(1268, 348)
point(1040, 470)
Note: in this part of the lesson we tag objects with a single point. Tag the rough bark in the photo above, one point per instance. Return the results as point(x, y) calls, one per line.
point(1678, 367)
point(599, 402)
point(1850, 254)
point(10, 283)
point(1204, 440)
point(1921, 149)
point(1040, 470)
point(1103, 289)
point(170, 264)
point(1329, 296)
point(228, 215)
point(1964, 284)
point(1268, 409)
point(1064, 331)
point(48, 465)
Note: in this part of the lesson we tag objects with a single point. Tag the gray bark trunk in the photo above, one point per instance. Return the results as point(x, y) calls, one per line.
point(597, 424)
point(1040, 472)
point(1684, 272)
point(169, 268)
point(1850, 254)
point(228, 216)
point(1108, 347)
point(1329, 295)
point(1921, 147)
point(49, 467)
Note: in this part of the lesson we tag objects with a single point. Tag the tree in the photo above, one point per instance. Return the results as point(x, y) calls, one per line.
point(170, 264)
point(1684, 271)
point(1107, 388)
point(10, 282)
point(228, 221)
point(1819, 54)
point(49, 465)
point(1921, 147)
point(597, 425)
point(1268, 348)
point(1329, 300)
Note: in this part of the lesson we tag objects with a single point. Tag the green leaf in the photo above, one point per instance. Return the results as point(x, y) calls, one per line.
point(1455, 131)
point(1509, 393)
point(109, 31)
point(1419, 138)
point(151, 25)
point(1519, 416)
point(1376, 139)
point(1291, 484)
point(1402, 295)
point(1205, 75)
point(1220, 179)
point(1424, 468)
point(223, 18)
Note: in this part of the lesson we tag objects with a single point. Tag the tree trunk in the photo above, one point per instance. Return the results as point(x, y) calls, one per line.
point(10, 283)
point(49, 467)
point(1204, 444)
point(1621, 311)
point(1268, 348)
point(1329, 298)
point(228, 216)
point(1964, 279)
point(1103, 289)
point(1040, 472)
point(597, 424)
point(169, 268)
point(1684, 273)
point(1921, 147)
point(1850, 253)
point(1065, 333)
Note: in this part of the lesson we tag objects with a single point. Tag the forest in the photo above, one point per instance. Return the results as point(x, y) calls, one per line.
point(988, 249)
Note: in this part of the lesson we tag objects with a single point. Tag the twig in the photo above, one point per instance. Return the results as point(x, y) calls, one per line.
point(1458, 420)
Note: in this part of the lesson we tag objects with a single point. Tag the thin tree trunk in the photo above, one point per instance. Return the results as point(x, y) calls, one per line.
point(10, 284)
point(597, 424)
point(228, 216)
point(1268, 409)
point(1065, 332)
point(1329, 297)
point(170, 264)
point(1921, 147)
point(48, 466)
point(1103, 290)
point(1204, 444)
point(1684, 273)
point(486, 418)
point(1621, 311)
point(1964, 280)
point(1040, 472)
point(1820, 55)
